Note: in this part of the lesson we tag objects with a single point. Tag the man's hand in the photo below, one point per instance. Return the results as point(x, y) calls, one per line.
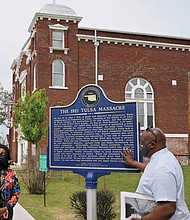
point(128, 157)
point(129, 160)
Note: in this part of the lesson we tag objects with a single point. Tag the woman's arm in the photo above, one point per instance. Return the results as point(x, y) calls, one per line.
point(14, 188)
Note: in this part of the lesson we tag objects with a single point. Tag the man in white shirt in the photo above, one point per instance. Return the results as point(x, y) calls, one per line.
point(162, 177)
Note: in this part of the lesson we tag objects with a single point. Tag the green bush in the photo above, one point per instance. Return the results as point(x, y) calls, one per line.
point(105, 202)
point(78, 202)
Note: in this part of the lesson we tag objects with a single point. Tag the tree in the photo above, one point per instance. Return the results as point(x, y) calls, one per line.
point(31, 117)
point(4, 108)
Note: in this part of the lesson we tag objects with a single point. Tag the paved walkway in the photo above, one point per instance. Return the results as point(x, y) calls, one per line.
point(21, 214)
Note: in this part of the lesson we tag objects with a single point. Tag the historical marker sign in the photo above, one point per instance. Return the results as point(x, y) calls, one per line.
point(91, 133)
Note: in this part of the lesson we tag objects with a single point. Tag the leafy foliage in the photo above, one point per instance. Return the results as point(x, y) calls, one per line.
point(4, 111)
point(31, 115)
point(105, 201)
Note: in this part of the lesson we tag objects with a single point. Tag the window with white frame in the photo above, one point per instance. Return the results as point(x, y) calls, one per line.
point(58, 38)
point(22, 81)
point(58, 73)
point(140, 90)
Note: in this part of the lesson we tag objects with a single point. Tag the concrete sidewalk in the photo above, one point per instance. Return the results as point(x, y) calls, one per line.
point(21, 214)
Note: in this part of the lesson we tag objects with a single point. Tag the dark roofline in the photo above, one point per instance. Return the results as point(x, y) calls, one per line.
point(134, 33)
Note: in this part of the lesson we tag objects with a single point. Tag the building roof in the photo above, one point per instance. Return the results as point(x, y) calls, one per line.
point(57, 9)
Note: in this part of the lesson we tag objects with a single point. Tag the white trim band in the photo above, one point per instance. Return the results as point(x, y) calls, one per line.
point(177, 135)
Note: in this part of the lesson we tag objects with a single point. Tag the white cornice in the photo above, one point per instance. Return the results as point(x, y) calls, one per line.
point(136, 43)
point(19, 62)
point(41, 16)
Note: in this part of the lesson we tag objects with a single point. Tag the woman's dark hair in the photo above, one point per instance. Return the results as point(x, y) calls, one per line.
point(8, 155)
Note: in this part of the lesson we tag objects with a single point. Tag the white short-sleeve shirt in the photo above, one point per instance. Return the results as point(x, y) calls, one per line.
point(163, 179)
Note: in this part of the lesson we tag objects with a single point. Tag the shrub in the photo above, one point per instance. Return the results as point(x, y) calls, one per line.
point(78, 202)
point(105, 202)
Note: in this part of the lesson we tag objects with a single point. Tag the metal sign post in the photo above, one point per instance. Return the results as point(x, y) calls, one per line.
point(91, 179)
point(91, 204)
point(44, 169)
point(91, 185)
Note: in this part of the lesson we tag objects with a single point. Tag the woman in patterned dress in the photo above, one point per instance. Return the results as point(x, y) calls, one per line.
point(9, 185)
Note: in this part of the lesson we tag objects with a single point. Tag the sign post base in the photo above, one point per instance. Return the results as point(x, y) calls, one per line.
point(91, 178)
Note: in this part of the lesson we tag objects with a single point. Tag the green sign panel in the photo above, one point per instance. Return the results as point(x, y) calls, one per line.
point(43, 163)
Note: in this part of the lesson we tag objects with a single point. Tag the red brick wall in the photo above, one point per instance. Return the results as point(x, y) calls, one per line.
point(45, 59)
point(118, 64)
point(177, 145)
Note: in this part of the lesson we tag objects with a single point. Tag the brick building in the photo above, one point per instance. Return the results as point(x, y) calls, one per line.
point(62, 57)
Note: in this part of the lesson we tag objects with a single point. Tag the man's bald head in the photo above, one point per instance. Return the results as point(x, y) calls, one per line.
point(154, 140)
point(161, 138)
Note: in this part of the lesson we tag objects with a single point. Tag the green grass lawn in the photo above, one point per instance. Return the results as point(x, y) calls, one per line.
point(61, 187)
point(63, 184)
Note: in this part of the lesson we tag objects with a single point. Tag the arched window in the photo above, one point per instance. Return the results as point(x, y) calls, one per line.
point(140, 90)
point(58, 74)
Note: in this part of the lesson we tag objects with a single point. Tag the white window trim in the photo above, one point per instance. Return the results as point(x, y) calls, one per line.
point(145, 100)
point(58, 87)
point(63, 74)
point(59, 27)
point(34, 75)
point(65, 50)
point(22, 76)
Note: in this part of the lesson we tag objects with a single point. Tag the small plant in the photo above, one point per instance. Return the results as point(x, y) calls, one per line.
point(105, 201)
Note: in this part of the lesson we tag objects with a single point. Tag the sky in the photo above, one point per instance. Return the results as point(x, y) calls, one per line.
point(160, 17)
point(155, 17)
